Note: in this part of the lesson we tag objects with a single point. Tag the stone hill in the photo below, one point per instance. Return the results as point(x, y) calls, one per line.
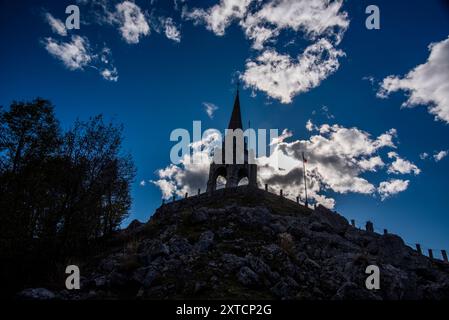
point(246, 243)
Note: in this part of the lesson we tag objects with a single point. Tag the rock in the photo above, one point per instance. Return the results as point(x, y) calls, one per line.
point(134, 225)
point(205, 242)
point(36, 294)
point(225, 232)
point(248, 277)
point(253, 246)
point(272, 251)
point(139, 274)
point(350, 291)
point(150, 277)
point(231, 262)
point(286, 288)
point(108, 264)
point(199, 286)
point(321, 227)
point(200, 216)
point(179, 245)
point(117, 279)
point(100, 281)
point(154, 248)
point(258, 265)
point(392, 248)
point(311, 264)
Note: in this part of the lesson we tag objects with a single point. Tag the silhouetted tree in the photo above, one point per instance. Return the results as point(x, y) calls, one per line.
point(59, 192)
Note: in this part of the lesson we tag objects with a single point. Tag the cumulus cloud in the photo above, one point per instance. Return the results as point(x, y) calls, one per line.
point(388, 188)
point(309, 125)
point(371, 164)
point(132, 22)
point(424, 156)
point(282, 77)
point(210, 109)
point(337, 160)
point(284, 135)
point(56, 25)
point(401, 166)
point(189, 175)
point(77, 54)
point(438, 156)
point(427, 84)
point(171, 30)
point(106, 66)
point(110, 74)
point(218, 17)
point(315, 18)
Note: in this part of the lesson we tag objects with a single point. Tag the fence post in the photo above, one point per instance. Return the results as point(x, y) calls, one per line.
point(163, 201)
point(174, 198)
point(199, 191)
point(187, 195)
point(353, 223)
point(297, 199)
point(385, 231)
point(444, 254)
point(266, 187)
point(281, 193)
point(369, 226)
point(430, 254)
point(418, 248)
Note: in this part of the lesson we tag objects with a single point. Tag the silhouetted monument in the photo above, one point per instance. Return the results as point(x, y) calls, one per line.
point(233, 171)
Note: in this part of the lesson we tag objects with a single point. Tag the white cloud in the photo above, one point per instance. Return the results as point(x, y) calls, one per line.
point(338, 158)
point(371, 79)
point(77, 54)
point(110, 74)
point(74, 54)
point(424, 156)
point(401, 166)
point(309, 125)
point(315, 18)
point(210, 109)
point(426, 84)
point(218, 17)
point(56, 25)
point(284, 135)
point(167, 187)
point(391, 187)
point(132, 22)
point(371, 164)
point(438, 156)
point(142, 183)
point(171, 30)
point(189, 176)
point(282, 77)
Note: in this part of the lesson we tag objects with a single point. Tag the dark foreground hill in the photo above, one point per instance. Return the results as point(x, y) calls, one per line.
point(245, 243)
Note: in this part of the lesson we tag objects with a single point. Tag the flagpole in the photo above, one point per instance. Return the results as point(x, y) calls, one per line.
point(305, 181)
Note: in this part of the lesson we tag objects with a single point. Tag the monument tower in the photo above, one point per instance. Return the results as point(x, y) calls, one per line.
point(240, 165)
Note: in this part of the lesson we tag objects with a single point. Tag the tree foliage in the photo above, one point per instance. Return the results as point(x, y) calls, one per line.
point(59, 191)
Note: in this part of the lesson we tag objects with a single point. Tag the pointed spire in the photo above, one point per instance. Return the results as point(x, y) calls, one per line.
point(236, 118)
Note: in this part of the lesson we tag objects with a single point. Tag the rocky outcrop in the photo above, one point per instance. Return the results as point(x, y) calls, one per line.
point(254, 245)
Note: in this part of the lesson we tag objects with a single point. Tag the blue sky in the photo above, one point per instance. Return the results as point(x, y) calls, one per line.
point(163, 82)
